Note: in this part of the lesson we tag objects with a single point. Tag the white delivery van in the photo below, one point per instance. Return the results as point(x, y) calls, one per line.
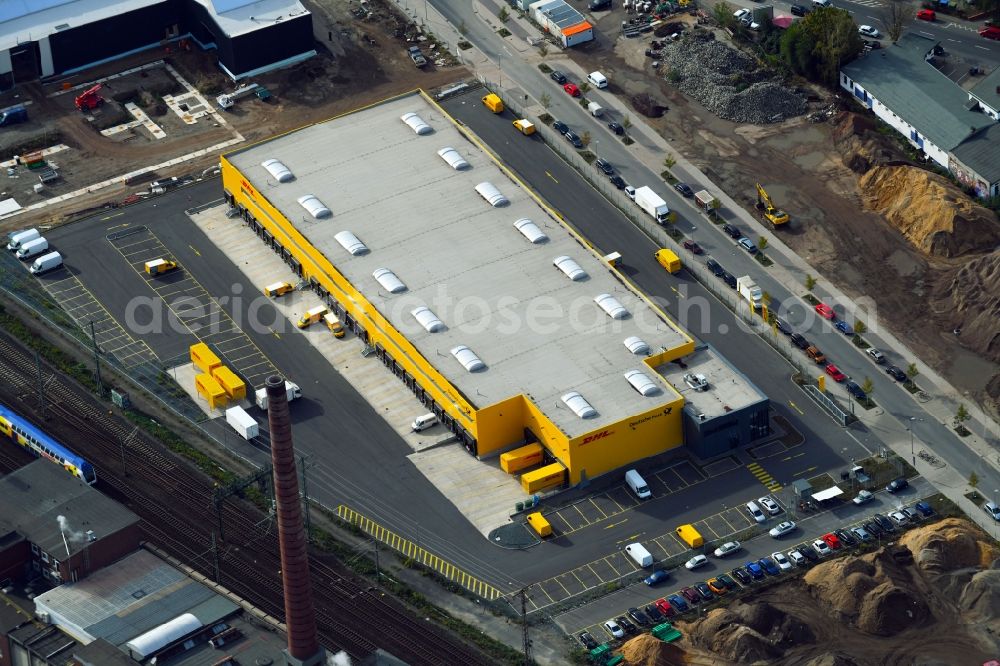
point(639, 553)
point(32, 248)
point(595, 109)
point(597, 79)
point(424, 422)
point(20, 238)
point(46, 262)
point(637, 484)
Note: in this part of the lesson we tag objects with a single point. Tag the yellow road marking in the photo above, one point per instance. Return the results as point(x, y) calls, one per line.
point(108, 217)
point(805, 471)
point(620, 522)
point(552, 177)
point(195, 250)
point(796, 408)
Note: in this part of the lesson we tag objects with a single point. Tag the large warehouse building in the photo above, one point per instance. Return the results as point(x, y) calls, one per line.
point(492, 311)
point(44, 38)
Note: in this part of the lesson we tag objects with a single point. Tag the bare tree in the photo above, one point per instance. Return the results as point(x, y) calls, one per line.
point(895, 17)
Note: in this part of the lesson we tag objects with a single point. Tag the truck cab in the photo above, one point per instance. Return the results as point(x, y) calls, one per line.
point(277, 289)
point(311, 316)
point(160, 266)
point(333, 323)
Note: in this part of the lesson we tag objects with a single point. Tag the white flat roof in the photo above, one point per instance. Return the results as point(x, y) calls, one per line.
point(465, 260)
point(32, 20)
point(728, 390)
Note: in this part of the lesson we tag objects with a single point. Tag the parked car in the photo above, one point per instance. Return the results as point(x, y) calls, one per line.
point(572, 89)
point(695, 562)
point(843, 327)
point(875, 355)
point(715, 267)
point(656, 577)
point(835, 373)
point(599, 5)
point(990, 32)
point(740, 14)
point(727, 580)
point(755, 570)
point(911, 514)
point(558, 77)
point(693, 247)
point(873, 528)
point(809, 552)
point(630, 192)
point(896, 373)
point(863, 498)
point(732, 231)
point(897, 484)
point(768, 504)
point(768, 565)
point(926, 15)
point(821, 547)
point(705, 591)
point(664, 607)
point(799, 340)
point(854, 389)
point(684, 189)
point(869, 31)
point(797, 558)
point(604, 166)
point(747, 245)
point(755, 512)
point(781, 561)
point(588, 641)
point(638, 617)
point(831, 540)
point(782, 528)
point(861, 533)
point(924, 508)
point(573, 138)
point(783, 327)
point(617, 181)
point(560, 126)
point(653, 613)
point(612, 628)
point(717, 586)
point(825, 311)
point(742, 576)
point(729, 279)
point(617, 128)
point(626, 626)
point(883, 522)
point(678, 602)
point(690, 594)
point(846, 537)
point(727, 548)
point(992, 510)
point(899, 518)
point(798, 10)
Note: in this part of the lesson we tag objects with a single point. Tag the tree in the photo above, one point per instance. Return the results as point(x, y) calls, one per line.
point(859, 327)
point(819, 44)
point(761, 243)
point(973, 480)
point(868, 387)
point(584, 87)
point(722, 12)
point(895, 17)
point(503, 15)
point(911, 371)
point(585, 139)
point(545, 100)
point(462, 28)
point(626, 124)
point(810, 280)
point(669, 161)
point(543, 49)
point(961, 415)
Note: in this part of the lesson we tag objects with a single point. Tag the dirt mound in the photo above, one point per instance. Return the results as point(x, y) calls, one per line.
point(860, 146)
point(747, 632)
point(947, 545)
point(842, 583)
point(889, 609)
point(930, 212)
point(834, 659)
point(981, 597)
point(645, 650)
point(968, 299)
point(648, 105)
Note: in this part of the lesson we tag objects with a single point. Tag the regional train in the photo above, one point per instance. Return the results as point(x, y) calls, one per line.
point(36, 441)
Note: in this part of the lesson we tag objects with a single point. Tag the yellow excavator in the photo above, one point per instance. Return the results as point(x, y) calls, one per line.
point(775, 216)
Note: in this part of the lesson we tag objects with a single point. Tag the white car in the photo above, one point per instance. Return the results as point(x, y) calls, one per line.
point(630, 192)
point(781, 529)
point(740, 13)
point(727, 548)
point(614, 629)
point(863, 498)
point(821, 547)
point(755, 512)
point(695, 562)
point(869, 31)
point(782, 561)
point(797, 558)
point(899, 518)
point(769, 505)
point(821, 3)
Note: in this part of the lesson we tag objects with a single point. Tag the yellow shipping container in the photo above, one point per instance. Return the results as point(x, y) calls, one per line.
point(203, 358)
point(210, 390)
point(540, 525)
point(543, 478)
point(689, 535)
point(521, 458)
point(669, 260)
point(230, 383)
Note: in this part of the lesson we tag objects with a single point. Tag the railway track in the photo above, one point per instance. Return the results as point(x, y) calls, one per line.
point(175, 502)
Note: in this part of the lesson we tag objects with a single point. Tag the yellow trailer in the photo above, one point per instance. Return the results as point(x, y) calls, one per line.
point(210, 390)
point(540, 525)
point(159, 266)
point(203, 358)
point(277, 289)
point(669, 260)
point(521, 458)
point(689, 535)
point(234, 387)
point(543, 478)
point(493, 103)
point(311, 316)
point(613, 259)
point(525, 127)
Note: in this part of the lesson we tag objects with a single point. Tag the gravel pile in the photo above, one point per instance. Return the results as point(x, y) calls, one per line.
point(727, 82)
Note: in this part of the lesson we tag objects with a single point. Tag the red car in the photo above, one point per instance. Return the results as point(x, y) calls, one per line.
point(835, 372)
point(831, 540)
point(664, 607)
point(693, 247)
point(825, 311)
point(990, 32)
point(572, 90)
point(926, 15)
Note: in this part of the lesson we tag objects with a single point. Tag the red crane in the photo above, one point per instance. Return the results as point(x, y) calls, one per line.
point(89, 99)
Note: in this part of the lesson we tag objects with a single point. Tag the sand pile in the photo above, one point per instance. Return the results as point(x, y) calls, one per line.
point(968, 299)
point(645, 650)
point(947, 545)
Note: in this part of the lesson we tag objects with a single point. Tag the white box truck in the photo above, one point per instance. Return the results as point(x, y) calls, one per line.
point(46, 262)
point(651, 202)
point(243, 423)
point(292, 391)
point(639, 553)
point(19, 238)
point(749, 290)
point(32, 248)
